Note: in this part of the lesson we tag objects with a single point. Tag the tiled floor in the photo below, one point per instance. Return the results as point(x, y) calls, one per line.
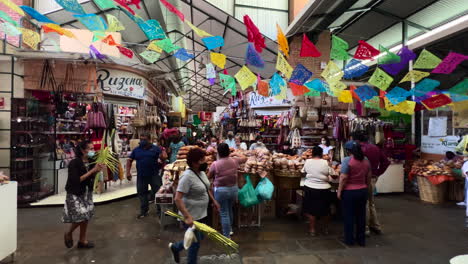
point(414, 233)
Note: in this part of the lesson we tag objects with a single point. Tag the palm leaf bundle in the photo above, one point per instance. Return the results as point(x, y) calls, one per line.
point(229, 246)
point(108, 157)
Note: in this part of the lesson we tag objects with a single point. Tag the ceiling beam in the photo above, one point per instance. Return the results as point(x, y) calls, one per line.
point(401, 19)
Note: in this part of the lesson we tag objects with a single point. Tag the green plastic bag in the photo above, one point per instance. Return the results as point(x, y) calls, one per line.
point(247, 195)
point(264, 189)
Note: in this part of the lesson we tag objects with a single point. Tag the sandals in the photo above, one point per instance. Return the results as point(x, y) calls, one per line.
point(68, 240)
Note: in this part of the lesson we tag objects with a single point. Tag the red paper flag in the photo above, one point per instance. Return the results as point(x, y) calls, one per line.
point(382, 100)
point(123, 3)
point(308, 48)
point(419, 107)
point(298, 89)
point(172, 8)
point(353, 93)
point(253, 34)
point(225, 71)
point(263, 88)
point(365, 51)
point(125, 51)
point(109, 40)
point(436, 101)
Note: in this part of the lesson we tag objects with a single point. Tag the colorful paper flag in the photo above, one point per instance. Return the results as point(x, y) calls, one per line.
point(283, 44)
point(308, 49)
point(7, 18)
point(201, 33)
point(98, 35)
point(354, 69)
point(154, 47)
point(312, 93)
point(456, 97)
point(298, 89)
point(339, 50)
point(388, 57)
point(332, 72)
point(30, 37)
point(405, 56)
point(405, 107)
point(345, 96)
point(381, 79)
point(397, 95)
point(105, 4)
point(450, 63)
point(373, 103)
point(227, 82)
point(335, 88)
point(460, 88)
point(152, 29)
point(253, 34)
point(365, 51)
point(183, 55)
point(57, 29)
point(252, 57)
point(210, 71)
point(70, 5)
point(300, 75)
point(282, 94)
point(263, 88)
point(94, 53)
point(167, 45)
point(213, 42)
point(9, 30)
point(36, 15)
point(245, 77)
point(126, 52)
point(436, 101)
point(124, 5)
point(317, 85)
point(13, 7)
point(92, 22)
point(426, 60)
point(425, 86)
point(135, 18)
point(114, 24)
point(218, 59)
point(172, 9)
point(365, 92)
point(353, 88)
point(283, 66)
point(276, 82)
point(414, 76)
point(109, 40)
point(150, 56)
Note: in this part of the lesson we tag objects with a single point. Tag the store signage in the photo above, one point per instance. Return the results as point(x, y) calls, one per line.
point(259, 101)
point(438, 145)
point(121, 83)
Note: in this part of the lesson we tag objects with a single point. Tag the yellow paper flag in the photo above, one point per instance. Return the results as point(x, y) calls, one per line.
point(381, 79)
point(345, 96)
point(245, 77)
point(332, 73)
point(414, 76)
point(282, 41)
point(337, 87)
point(30, 38)
point(13, 6)
point(283, 66)
point(218, 59)
point(405, 107)
point(200, 32)
point(114, 24)
point(283, 94)
point(152, 46)
point(426, 60)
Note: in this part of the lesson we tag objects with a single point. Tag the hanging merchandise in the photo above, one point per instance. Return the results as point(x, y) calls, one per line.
point(425, 86)
point(245, 77)
point(218, 59)
point(95, 119)
point(365, 51)
point(406, 55)
point(381, 79)
point(414, 76)
point(312, 114)
point(437, 126)
point(283, 44)
point(426, 60)
point(308, 49)
point(388, 56)
point(139, 119)
point(450, 63)
point(213, 42)
point(339, 49)
point(296, 141)
point(254, 35)
point(252, 57)
point(283, 66)
point(354, 69)
point(300, 75)
point(296, 121)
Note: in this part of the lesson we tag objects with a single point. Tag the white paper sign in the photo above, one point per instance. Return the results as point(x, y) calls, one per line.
point(437, 126)
point(121, 83)
point(438, 145)
point(259, 101)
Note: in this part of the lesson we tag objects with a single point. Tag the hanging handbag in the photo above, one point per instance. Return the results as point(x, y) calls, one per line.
point(296, 141)
point(296, 122)
point(303, 111)
point(139, 120)
point(312, 114)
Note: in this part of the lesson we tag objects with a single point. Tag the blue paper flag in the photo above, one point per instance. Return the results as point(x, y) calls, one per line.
point(275, 83)
point(317, 85)
point(397, 95)
point(426, 96)
point(152, 29)
point(36, 15)
point(354, 68)
point(425, 86)
point(182, 54)
point(456, 97)
point(135, 19)
point(92, 22)
point(71, 6)
point(365, 92)
point(300, 75)
point(213, 42)
point(252, 57)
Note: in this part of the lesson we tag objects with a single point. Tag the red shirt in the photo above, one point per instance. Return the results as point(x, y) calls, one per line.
point(357, 173)
point(378, 161)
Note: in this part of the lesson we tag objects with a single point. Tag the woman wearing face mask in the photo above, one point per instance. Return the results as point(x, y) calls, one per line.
point(192, 197)
point(258, 144)
point(174, 147)
point(327, 147)
point(79, 206)
point(213, 145)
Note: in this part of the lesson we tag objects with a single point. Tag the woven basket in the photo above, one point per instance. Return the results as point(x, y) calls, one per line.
point(456, 190)
point(288, 173)
point(285, 179)
point(431, 193)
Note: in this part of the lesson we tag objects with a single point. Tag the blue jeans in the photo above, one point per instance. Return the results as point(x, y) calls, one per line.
point(143, 192)
point(354, 215)
point(226, 197)
point(192, 252)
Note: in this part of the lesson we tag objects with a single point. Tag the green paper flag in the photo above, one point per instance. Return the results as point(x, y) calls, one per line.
point(388, 56)
point(373, 103)
point(105, 4)
point(7, 18)
point(332, 73)
point(98, 35)
point(312, 93)
point(150, 56)
point(114, 24)
point(227, 82)
point(339, 49)
point(167, 45)
point(426, 60)
point(381, 79)
point(460, 88)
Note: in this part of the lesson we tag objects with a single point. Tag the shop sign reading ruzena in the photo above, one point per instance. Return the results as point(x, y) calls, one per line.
point(259, 101)
point(121, 83)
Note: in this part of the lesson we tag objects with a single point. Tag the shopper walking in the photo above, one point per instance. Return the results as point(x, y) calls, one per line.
point(224, 173)
point(79, 206)
point(379, 164)
point(192, 197)
point(355, 177)
point(147, 157)
point(176, 144)
point(317, 191)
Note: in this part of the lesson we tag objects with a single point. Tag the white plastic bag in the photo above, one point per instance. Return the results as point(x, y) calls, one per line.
point(189, 237)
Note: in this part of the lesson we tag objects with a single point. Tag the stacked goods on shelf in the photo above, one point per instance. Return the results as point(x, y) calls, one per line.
point(283, 162)
point(259, 161)
point(183, 151)
point(430, 168)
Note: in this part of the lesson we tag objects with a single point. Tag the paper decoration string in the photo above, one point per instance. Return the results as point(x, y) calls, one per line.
point(405, 56)
point(365, 51)
point(174, 10)
point(13, 7)
point(201, 33)
point(388, 57)
point(150, 56)
point(424, 87)
point(414, 76)
point(339, 49)
point(30, 37)
point(152, 29)
point(365, 92)
point(183, 55)
point(397, 95)
point(213, 42)
point(283, 66)
point(114, 25)
point(460, 88)
point(36, 15)
point(276, 82)
point(381, 79)
point(317, 85)
point(345, 96)
point(105, 4)
point(7, 18)
point(92, 22)
point(71, 6)
point(332, 73)
point(298, 89)
point(253, 34)
point(354, 68)
point(9, 29)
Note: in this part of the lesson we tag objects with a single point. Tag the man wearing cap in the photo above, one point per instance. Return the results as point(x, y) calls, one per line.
point(379, 164)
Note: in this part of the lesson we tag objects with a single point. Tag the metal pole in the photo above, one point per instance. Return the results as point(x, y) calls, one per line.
point(410, 66)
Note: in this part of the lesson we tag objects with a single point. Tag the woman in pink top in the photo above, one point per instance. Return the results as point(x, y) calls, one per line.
point(355, 177)
point(224, 173)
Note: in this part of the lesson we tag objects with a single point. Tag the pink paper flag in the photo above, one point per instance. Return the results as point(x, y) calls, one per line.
point(449, 63)
point(253, 34)
point(308, 48)
point(124, 4)
point(365, 51)
point(172, 8)
point(125, 51)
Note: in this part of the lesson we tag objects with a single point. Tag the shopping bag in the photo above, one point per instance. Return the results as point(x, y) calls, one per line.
point(189, 237)
point(247, 195)
point(264, 189)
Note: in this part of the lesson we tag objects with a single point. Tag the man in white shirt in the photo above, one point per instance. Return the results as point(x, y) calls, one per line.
point(240, 144)
point(230, 140)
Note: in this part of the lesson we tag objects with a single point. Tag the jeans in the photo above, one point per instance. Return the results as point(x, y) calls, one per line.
point(226, 197)
point(142, 190)
point(192, 252)
point(354, 215)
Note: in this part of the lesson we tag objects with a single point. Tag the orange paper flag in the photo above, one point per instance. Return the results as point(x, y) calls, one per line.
point(57, 29)
point(352, 88)
point(308, 48)
point(298, 89)
point(282, 41)
point(263, 88)
point(109, 40)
